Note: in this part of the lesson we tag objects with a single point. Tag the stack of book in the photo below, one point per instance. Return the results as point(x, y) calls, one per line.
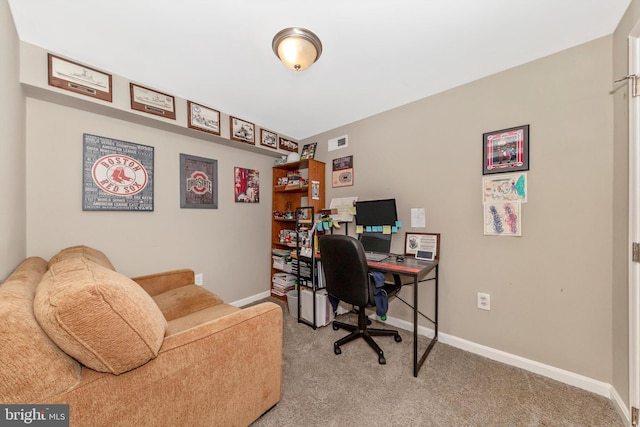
point(282, 283)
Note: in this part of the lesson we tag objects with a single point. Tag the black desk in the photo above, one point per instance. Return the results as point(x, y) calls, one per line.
point(417, 270)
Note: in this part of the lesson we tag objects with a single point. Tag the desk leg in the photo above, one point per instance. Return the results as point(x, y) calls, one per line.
point(418, 364)
point(415, 326)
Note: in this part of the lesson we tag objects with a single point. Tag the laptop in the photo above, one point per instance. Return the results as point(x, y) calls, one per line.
point(376, 246)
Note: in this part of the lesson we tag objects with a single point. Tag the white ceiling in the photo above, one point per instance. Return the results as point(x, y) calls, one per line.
point(377, 54)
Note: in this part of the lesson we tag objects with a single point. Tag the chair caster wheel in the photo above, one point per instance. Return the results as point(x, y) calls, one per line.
point(397, 338)
point(335, 327)
point(336, 349)
point(381, 359)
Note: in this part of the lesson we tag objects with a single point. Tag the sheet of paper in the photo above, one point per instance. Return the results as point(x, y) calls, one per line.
point(345, 208)
point(418, 218)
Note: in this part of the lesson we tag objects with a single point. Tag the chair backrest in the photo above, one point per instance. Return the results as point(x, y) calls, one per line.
point(345, 269)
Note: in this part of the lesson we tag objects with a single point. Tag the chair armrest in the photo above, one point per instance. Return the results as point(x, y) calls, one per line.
point(158, 283)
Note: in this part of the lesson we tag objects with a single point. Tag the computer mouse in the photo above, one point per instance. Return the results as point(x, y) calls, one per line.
point(400, 258)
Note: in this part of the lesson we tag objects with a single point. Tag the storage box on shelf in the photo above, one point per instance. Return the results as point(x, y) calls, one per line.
point(295, 184)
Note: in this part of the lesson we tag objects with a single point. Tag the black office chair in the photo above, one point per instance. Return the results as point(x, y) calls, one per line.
point(347, 279)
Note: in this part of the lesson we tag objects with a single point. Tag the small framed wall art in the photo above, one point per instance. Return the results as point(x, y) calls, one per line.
point(203, 118)
point(308, 151)
point(79, 78)
point(288, 145)
point(505, 150)
point(242, 130)
point(268, 139)
point(246, 185)
point(152, 102)
point(198, 182)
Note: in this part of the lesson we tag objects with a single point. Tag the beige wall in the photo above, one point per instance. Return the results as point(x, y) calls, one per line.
point(229, 245)
point(551, 288)
point(12, 153)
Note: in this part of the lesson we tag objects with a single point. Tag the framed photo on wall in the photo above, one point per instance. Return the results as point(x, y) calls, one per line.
point(505, 150)
point(198, 182)
point(79, 78)
point(268, 139)
point(242, 131)
point(117, 175)
point(288, 145)
point(203, 118)
point(246, 185)
point(342, 173)
point(152, 102)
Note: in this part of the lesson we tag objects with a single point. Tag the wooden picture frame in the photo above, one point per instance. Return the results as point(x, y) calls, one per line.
point(203, 118)
point(288, 145)
point(268, 139)
point(152, 102)
point(505, 150)
point(429, 242)
point(198, 182)
point(78, 78)
point(242, 130)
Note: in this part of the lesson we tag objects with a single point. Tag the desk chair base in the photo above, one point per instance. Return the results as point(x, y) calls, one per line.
point(361, 331)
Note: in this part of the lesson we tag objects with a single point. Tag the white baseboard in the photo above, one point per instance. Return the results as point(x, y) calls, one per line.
point(249, 300)
point(577, 380)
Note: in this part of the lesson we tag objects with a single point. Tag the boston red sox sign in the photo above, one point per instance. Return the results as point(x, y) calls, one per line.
point(118, 175)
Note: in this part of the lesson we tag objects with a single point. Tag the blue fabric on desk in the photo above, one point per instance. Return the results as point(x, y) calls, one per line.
point(379, 294)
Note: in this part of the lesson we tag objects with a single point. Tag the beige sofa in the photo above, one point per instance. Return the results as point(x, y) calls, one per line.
point(150, 351)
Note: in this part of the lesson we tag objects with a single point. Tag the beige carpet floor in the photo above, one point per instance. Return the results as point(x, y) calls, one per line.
point(453, 388)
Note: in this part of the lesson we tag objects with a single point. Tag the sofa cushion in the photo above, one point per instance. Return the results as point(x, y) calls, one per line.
point(179, 302)
point(32, 367)
point(82, 251)
point(98, 316)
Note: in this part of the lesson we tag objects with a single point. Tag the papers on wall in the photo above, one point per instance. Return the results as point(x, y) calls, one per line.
point(344, 205)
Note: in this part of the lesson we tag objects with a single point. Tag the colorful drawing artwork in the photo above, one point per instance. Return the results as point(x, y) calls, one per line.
point(504, 187)
point(502, 219)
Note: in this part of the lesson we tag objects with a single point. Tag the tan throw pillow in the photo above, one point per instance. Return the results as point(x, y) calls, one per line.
point(98, 316)
point(82, 251)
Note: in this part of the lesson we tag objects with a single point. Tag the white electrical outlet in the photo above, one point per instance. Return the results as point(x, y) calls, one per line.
point(199, 279)
point(484, 301)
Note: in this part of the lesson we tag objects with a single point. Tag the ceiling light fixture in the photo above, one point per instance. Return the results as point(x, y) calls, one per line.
point(297, 48)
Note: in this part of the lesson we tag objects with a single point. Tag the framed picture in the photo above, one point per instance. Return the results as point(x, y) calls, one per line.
point(79, 78)
point(502, 219)
point(268, 139)
point(203, 118)
point(308, 151)
point(424, 246)
point(246, 185)
point(342, 174)
point(242, 131)
point(287, 144)
point(198, 182)
point(152, 102)
point(505, 150)
point(117, 175)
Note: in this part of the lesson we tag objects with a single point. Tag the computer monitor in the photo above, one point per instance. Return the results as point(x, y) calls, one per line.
point(376, 212)
point(376, 242)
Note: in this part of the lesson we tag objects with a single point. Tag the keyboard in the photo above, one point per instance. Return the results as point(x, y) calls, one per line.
point(376, 257)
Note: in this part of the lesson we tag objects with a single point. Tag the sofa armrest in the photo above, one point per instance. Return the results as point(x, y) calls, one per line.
point(227, 372)
point(158, 283)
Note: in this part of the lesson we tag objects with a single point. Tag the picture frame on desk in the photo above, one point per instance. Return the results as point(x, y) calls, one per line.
point(425, 246)
point(505, 150)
